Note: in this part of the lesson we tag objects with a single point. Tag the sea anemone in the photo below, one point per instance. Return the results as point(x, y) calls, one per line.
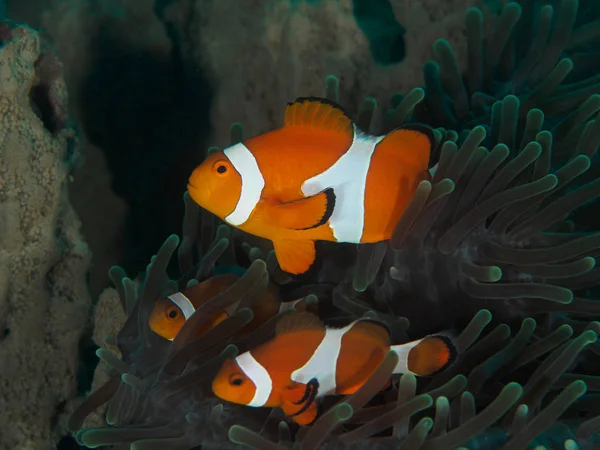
point(159, 396)
point(540, 54)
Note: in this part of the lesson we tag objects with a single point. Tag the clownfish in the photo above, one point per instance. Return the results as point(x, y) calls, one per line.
point(317, 178)
point(170, 313)
point(307, 360)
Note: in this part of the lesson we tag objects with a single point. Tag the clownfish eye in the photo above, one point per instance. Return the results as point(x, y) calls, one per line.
point(236, 379)
point(172, 313)
point(221, 167)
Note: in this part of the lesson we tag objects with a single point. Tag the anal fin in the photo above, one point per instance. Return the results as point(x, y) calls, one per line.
point(295, 256)
point(306, 213)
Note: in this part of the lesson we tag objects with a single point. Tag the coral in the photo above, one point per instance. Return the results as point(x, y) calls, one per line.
point(289, 47)
point(44, 303)
point(109, 318)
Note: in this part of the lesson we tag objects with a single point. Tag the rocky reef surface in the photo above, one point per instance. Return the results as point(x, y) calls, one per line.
point(44, 299)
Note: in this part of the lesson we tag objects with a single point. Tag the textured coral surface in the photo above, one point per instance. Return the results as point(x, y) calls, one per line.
point(44, 302)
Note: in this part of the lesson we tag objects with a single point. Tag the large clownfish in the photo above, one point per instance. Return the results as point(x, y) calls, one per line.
point(316, 178)
point(170, 314)
point(307, 360)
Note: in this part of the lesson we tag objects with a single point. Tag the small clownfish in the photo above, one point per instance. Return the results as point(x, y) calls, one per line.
point(307, 360)
point(317, 178)
point(170, 314)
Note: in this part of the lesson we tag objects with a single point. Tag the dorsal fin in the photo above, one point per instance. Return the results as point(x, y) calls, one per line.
point(374, 328)
point(301, 321)
point(319, 113)
point(415, 142)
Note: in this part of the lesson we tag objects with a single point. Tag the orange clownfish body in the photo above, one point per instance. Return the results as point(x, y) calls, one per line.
point(316, 178)
point(170, 314)
point(307, 360)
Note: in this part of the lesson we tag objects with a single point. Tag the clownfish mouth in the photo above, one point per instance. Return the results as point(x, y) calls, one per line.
point(199, 194)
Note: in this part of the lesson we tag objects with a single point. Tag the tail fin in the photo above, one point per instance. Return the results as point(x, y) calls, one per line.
point(425, 357)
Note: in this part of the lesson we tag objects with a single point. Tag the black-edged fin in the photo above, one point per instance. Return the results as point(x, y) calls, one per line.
point(300, 321)
point(304, 411)
point(375, 329)
point(310, 395)
point(452, 350)
point(432, 355)
point(414, 142)
point(329, 195)
point(316, 112)
point(435, 150)
point(306, 213)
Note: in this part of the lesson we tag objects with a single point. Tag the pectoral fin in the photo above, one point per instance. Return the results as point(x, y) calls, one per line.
point(304, 214)
point(295, 256)
point(300, 402)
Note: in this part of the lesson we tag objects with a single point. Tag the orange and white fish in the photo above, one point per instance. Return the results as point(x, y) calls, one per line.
point(307, 360)
point(170, 314)
point(317, 178)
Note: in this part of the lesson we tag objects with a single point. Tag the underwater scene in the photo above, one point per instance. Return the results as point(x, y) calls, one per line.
point(299, 224)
